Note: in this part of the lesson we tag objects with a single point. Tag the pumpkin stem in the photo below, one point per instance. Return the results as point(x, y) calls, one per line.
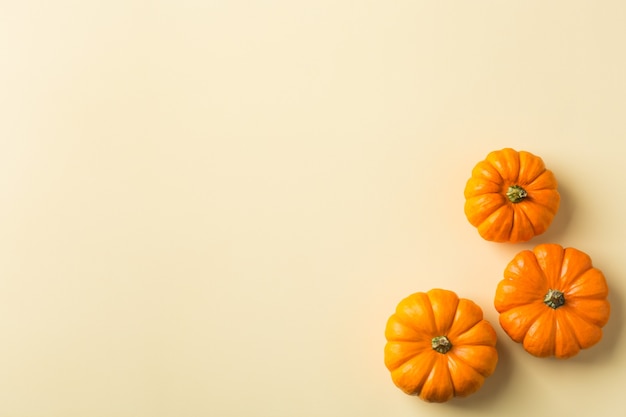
point(515, 193)
point(441, 344)
point(554, 298)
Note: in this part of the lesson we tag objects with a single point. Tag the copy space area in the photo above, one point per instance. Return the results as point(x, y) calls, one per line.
point(211, 208)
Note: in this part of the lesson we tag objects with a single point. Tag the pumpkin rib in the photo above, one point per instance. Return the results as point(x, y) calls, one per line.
point(402, 352)
point(507, 164)
point(480, 207)
point(522, 229)
point(531, 167)
point(411, 375)
point(540, 337)
point(513, 225)
point(532, 204)
point(546, 200)
point(550, 260)
point(536, 223)
point(465, 379)
point(485, 170)
point(574, 264)
point(590, 284)
point(481, 358)
point(595, 296)
point(566, 345)
point(576, 312)
point(524, 260)
point(438, 385)
point(587, 334)
point(524, 267)
point(465, 362)
point(481, 334)
point(517, 320)
point(544, 181)
point(404, 321)
point(571, 315)
point(511, 294)
point(426, 355)
point(480, 186)
point(594, 311)
point(497, 226)
point(467, 315)
point(398, 330)
point(444, 306)
point(540, 215)
point(417, 304)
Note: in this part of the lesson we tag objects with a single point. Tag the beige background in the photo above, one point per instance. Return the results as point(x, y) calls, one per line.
point(210, 208)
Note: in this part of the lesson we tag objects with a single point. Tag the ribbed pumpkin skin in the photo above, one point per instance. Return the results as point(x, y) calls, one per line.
point(488, 208)
point(416, 368)
point(545, 331)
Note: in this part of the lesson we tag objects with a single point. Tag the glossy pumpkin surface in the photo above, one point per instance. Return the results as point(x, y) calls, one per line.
point(439, 346)
point(511, 196)
point(553, 301)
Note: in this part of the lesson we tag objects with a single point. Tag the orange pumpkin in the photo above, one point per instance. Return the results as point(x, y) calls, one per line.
point(553, 301)
point(511, 196)
point(439, 346)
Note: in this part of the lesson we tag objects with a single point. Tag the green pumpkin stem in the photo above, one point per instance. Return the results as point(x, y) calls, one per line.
point(515, 193)
point(554, 298)
point(441, 344)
